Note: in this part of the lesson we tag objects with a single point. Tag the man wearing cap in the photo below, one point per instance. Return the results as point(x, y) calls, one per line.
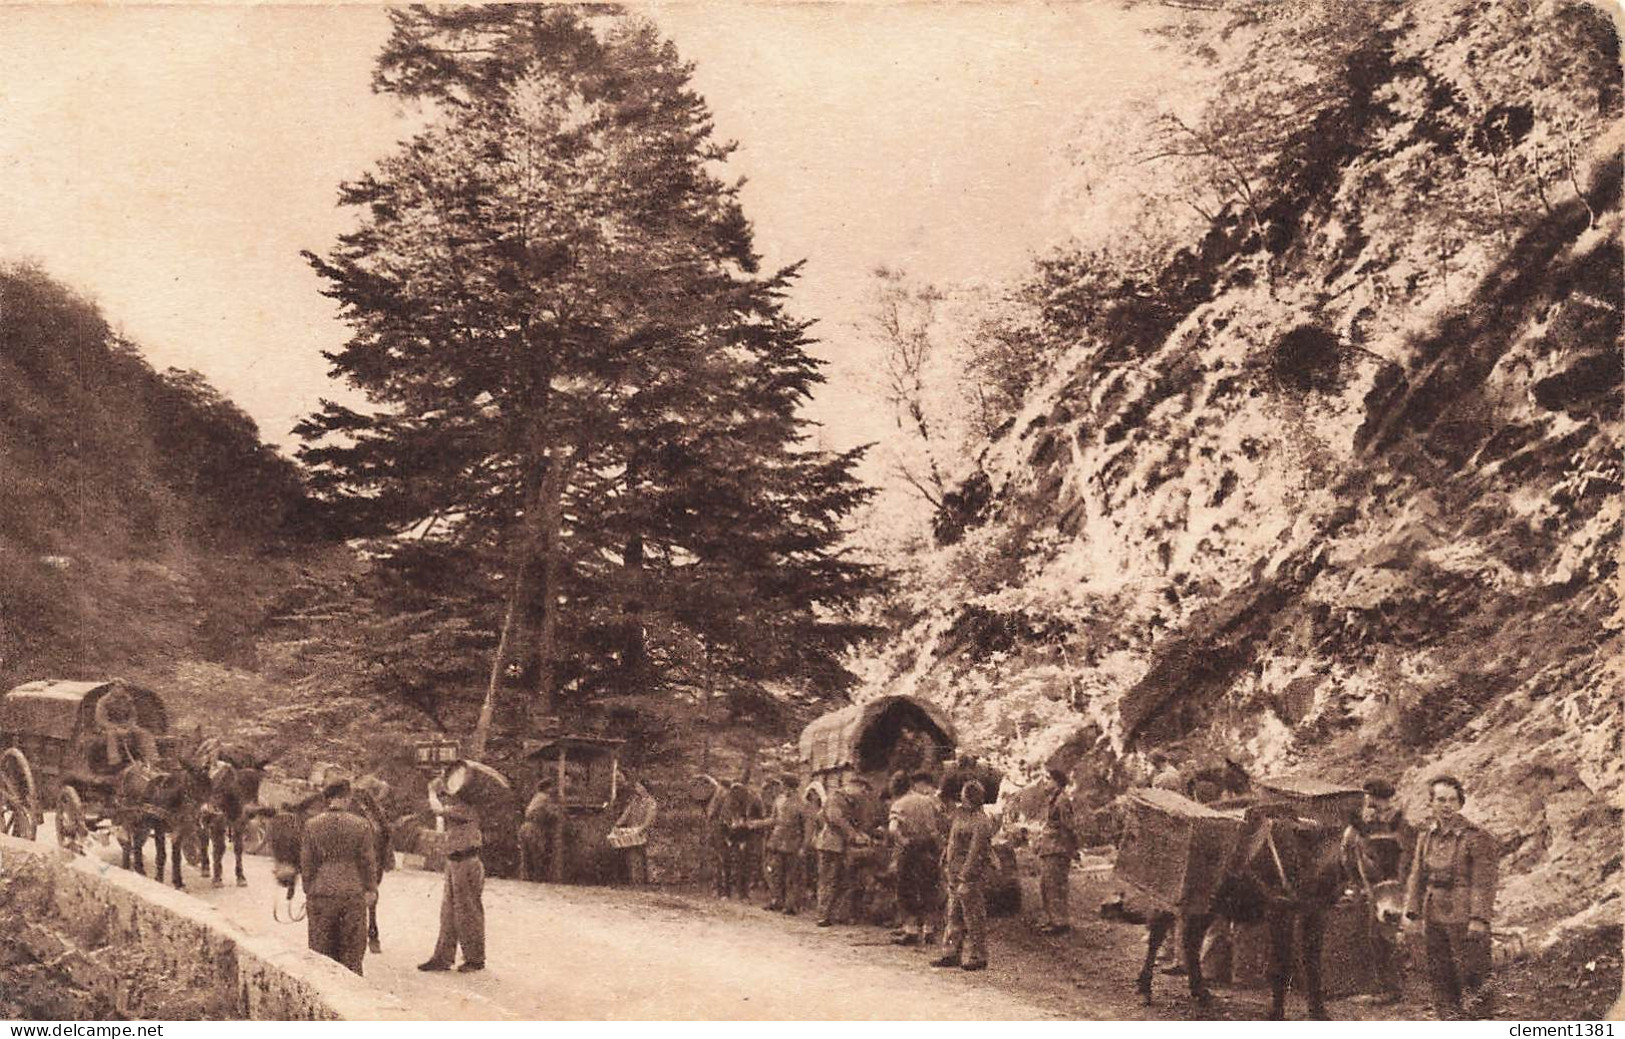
point(1377, 849)
point(1057, 846)
point(965, 867)
point(836, 835)
point(1452, 894)
point(786, 838)
point(916, 829)
point(338, 865)
point(462, 907)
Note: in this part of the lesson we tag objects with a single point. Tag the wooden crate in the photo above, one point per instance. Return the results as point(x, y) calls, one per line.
point(1329, 803)
point(1173, 850)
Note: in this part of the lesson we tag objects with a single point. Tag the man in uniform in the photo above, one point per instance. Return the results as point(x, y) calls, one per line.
point(966, 865)
point(836, 835)
point(1452, 892)
point(338, 865)
point(1377, 849)
point(1057, 846)
point(862, 859)
point(916, 828)
point(536, 834)
point(124, 738)
point(462, 906)
point(786, 839)
point(634, 823)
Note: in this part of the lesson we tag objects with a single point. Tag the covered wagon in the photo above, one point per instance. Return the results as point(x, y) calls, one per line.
point(65, 743)
point(877, 738)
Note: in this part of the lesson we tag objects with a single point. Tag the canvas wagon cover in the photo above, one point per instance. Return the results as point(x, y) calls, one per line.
point(54, 709)
point(834, 740)
point(1175, 849)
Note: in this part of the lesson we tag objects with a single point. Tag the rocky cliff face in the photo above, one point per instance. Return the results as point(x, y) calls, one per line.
point(1330, 496)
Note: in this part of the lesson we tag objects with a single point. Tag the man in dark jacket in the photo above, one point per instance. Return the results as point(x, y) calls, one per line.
point(339, 866)
point(837, 835)
point(1452, 893)
point(966, 865)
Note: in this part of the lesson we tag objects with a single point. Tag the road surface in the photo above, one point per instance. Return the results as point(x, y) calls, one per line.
point(557, 952)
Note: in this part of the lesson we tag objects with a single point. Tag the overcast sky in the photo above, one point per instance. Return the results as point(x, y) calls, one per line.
point(172, 162)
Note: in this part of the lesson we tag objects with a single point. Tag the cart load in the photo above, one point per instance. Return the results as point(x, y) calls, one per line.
point(1175, 850)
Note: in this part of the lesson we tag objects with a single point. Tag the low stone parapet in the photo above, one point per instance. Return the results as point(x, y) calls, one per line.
point(147, 951)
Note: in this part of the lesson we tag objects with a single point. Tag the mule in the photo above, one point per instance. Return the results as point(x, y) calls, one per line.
point(162, 804)
point(1286, 872)
point(1293, 871)
point(233, 788)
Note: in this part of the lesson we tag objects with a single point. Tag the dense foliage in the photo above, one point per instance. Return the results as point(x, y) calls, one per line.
point(106, 464)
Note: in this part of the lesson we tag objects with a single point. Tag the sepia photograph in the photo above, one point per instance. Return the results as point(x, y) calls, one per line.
point(911, 511)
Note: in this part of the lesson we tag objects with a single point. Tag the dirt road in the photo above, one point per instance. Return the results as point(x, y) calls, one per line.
point(580, 953)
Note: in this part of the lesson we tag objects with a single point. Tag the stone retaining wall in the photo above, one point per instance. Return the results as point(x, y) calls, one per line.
point(150, 952)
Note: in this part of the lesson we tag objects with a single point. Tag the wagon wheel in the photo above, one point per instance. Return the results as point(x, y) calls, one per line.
point(71, 828)
point(19, 802)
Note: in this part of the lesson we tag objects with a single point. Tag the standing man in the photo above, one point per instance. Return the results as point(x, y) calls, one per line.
point(785, 840)
point(1057, 846)
point(338, 865)
point(536, 833)
point(836, 834)
point(633, 824)
point(1377, 850)
point(966, 864)
point(462, 906)
point(916, 829)
point(1452, 891)
point(861, 858)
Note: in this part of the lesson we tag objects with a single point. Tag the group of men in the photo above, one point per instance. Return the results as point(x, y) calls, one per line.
point(919, 855)
point(1447, 871)
point(547, 840)
point(340, 870)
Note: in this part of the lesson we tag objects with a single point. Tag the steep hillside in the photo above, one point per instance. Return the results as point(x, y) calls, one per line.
point(142, 520)
point(1338, 489)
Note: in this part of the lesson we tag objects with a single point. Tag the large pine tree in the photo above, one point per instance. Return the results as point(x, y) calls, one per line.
point(578, 371)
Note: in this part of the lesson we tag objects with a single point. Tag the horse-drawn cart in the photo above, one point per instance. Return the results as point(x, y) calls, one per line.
point(64, 747)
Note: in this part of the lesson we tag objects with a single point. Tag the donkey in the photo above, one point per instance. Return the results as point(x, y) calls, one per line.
point(234, 785)
point(160, 803)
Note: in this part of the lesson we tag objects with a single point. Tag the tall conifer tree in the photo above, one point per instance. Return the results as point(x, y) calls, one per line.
point(576, 366)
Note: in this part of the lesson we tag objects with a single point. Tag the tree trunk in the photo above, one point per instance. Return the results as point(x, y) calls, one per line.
point(632, 647)
point(482, 728)
point(549, 531)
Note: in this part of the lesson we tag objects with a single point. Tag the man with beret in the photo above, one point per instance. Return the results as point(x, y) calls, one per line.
point(966, 864)
point(338, 865)
point(916, 827)
point(1377, 850)
point(1452, 893)
point(462, 906)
